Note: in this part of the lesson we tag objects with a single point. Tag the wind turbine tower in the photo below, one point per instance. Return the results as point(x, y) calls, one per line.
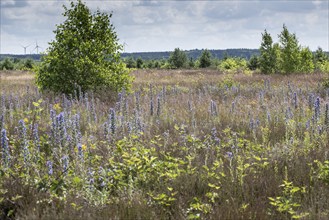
point(37, 47)
point(25, 48)
point(124, 46)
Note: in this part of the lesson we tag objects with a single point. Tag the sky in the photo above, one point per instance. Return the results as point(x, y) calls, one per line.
point(163, 25)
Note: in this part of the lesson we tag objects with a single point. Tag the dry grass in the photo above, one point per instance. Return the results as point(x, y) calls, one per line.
point(13, 81)
point(271, 139)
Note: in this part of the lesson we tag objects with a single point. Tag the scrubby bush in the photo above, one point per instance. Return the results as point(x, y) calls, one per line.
point(130, 62)
point(253, 63)
point(321, 61)
point(139, 63)
point(233, 65)
point(7, 64)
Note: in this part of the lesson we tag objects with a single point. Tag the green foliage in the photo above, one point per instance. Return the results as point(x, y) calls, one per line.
point(205, 59)
point(85, 54)
point(267, 58)
point(198, 209)
point(253, 63)
point(25, 64)
point(28, 64)
point(288, 202)
point(228, 81)
point(7, 64)
point(232, 65)
point(213, 151)
point(306, 63)
point(321, 61)
point(322, 171)
point(323, 66)
point(130, 62)
point(290, 51)
point(191, 63)
point(139, 63)
point(320, 56)
point(287, 56)
point(177, 59)
point(277, 54)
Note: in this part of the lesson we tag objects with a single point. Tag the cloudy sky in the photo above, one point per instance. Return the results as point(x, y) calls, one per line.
point(163, 25)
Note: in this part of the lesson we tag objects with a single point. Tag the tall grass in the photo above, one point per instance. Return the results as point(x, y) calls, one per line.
point(184, 144)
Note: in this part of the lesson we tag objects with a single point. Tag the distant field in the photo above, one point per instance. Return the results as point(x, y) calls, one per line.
point(184, 144)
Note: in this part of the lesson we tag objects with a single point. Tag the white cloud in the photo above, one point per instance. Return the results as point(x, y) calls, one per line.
point(7, 3)
point(164, 25)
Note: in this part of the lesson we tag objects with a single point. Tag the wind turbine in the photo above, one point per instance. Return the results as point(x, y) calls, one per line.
point(37, 47)
point(124, 46)
point(25, 48)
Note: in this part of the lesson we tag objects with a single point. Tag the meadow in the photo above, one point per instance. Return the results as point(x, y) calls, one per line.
point(183, 144)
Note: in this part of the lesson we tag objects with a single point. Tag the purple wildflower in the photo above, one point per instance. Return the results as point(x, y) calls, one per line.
point(50, 167)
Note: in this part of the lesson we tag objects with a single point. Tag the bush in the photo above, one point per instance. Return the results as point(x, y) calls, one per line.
point(232, 65)
point(253, 63)
point(130, 62)
point(139, 63)
point(7, 64)
point(84, 54)
point(323, 66)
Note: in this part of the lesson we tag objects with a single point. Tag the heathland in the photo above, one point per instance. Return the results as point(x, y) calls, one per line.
point(182, 144)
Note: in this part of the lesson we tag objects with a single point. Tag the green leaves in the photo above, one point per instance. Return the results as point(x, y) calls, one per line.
point(267, 58)
point(177, 59)
point(205, 59)
point(289, 201)
point(287, 56)
point(85, 54)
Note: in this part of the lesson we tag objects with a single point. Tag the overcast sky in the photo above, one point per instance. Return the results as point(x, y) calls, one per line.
point(163, 25)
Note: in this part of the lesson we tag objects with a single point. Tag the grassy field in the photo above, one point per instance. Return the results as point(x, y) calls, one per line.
point(183, 144)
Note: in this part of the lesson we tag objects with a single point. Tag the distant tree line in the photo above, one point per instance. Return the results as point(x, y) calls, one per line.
point(286, 56)
point(194, 54)
point(163, 55)
point(9, 63)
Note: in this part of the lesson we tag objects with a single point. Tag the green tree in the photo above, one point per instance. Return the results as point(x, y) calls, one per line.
point(277, 58)
point(139, 63)
point(150, 64)
point(28, 63)
point(205, 59)
point(85, 53)
point(267, 59)
point(7, 64)
point(290, 51)
point(253, 63)
point(130, 62)
point(157, 64)
point(306, 61)
point(320, 56)
point(321, 61)
point(191, 63)
point(177, 59)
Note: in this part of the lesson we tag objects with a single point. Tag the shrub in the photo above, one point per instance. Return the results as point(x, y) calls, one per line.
point(253, 63)
point(231, 65)
point(7, 64)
